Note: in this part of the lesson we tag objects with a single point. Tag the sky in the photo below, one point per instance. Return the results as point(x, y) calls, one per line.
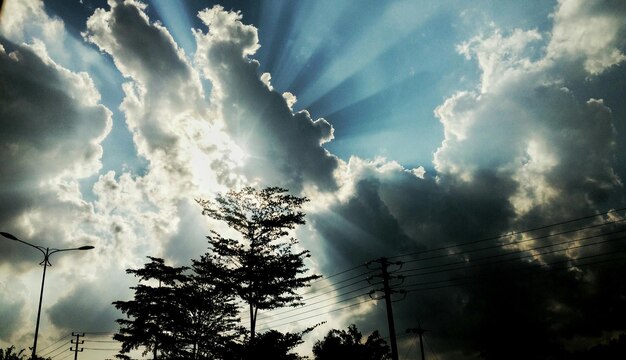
point(435, 133)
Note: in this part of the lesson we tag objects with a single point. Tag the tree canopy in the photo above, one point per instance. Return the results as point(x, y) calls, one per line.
point(261, 267)
point(341, 344)
point(176, 314)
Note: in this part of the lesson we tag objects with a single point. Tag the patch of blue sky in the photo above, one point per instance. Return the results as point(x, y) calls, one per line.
point(396, 122)
point(178, 21)
point(387, 29)
point(307, 29)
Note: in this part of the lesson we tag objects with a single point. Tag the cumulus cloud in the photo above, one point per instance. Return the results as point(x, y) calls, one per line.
point(52, 126)
point(522, 148)
point(591, 32)
point(164, 106)
point(28, 19)
point(285, 148)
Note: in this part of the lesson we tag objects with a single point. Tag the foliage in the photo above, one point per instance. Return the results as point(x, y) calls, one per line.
point(341, 344)
point(176, 314)
point(274, 345)
point(261, 267)
point(213, 325)
point(11, 354)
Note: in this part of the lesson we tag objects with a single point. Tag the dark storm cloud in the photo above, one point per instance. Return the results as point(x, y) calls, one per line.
point(11, 312)
point(284, 148)
point(87, 307)
point(524, 149)
point(522, 152)
point(52, 127)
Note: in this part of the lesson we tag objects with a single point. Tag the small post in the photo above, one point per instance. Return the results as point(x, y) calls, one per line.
point(419, 331)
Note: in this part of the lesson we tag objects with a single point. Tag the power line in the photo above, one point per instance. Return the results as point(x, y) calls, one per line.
point(318, 308)
point(460, 268)
point(467, 264)
point(523, 241)
point(531, 267)
point(424, 289)
point(508, 234)
point(66, 356)
point(321, 301)
point(431, 349)
point(337, 274)
point(56, 342)
point(247, 316)
point(102, 341)
point(316, 315)
point(466, 252)
point(52, 351)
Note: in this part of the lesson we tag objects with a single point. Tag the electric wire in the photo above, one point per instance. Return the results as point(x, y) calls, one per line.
point(311, 310)
point(522, 241)
point(406, 353)
point(430, 348)
point(315, 315)
point(56, 342)
point(66, 356)
point(318, 302)
point(468, 264)
point(101, 341)
point(483, 258)
point(498, 255)
point(415, 290)
point(266, 313)
point(482, 264)
point(528, 268)
point(52, 351)
point(447, 247)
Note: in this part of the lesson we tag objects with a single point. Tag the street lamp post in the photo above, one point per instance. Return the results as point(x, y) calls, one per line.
point(46, 256)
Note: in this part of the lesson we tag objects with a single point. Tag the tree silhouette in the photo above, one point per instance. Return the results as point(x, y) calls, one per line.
point(10, 354)
point(212, 326)
point(154, 311)
point(176, 314)
point(260, 267)
point(274, 345)
point(341, 344)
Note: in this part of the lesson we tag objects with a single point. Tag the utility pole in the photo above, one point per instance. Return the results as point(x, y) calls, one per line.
point(419, 331)
point(77, 342)
point(388, 291)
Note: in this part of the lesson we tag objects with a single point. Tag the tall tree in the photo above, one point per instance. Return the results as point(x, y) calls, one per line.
point(153, 315)
point(261, 266)
point(341, 344)
point(178, 313)
point(212, 323)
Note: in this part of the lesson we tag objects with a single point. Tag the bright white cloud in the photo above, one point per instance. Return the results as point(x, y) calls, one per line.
point(28, 19)
point(284, 147)
point(590, 31)
point(518, 147)
point(53, 125)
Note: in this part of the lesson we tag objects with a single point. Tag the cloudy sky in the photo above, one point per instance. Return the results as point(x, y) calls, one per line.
point(433, 132)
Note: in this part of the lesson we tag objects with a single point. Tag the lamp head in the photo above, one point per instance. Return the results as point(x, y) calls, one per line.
point(87, 247)
point(8, 236)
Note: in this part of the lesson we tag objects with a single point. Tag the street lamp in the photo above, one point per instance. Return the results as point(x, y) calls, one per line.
point(46, 256)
